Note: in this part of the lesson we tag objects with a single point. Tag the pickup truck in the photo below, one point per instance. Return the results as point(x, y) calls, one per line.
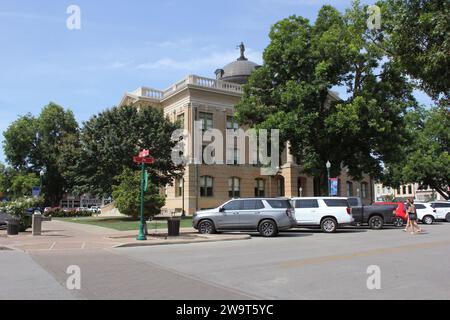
point(376, 216)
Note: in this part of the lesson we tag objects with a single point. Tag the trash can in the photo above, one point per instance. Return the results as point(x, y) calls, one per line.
point(13, 226)
point(173, 225)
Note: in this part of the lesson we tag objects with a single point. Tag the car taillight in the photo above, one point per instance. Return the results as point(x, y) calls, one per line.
point(290, 212)
point(349, 210)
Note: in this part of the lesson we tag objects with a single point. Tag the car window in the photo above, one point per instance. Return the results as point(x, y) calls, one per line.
point(353, 202)
point(336, 202)
point(232, 205)
point(442, 205)
point(259, 205)
point(420, 206)
point(252, 205)
point(312, 203)
point(279, 204)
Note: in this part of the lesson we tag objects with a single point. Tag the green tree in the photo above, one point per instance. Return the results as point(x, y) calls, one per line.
point(427, 157)
point(418, 33)
point(110, 139)
point(127, 195)
point(22, 184)
point(33, 143)
point(292, 92)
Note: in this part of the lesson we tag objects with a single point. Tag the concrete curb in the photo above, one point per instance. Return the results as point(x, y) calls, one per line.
point(200, 239)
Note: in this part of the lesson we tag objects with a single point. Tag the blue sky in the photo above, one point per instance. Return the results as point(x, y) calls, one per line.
point(123, 45)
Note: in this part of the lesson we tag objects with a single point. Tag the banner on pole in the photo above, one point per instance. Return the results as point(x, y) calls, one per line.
point(334, 186)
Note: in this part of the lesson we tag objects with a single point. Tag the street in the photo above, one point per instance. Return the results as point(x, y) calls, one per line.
point(299, 264)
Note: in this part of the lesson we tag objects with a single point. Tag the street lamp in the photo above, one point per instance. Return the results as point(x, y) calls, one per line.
point(41, 174)
point(329, 178)
point(301, 191)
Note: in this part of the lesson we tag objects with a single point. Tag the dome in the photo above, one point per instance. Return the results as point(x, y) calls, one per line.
point(237, 71)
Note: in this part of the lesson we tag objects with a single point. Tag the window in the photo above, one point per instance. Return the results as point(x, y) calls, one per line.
point(420, 206)
point(206, 186)
point(349, 189)
point(441, 205)
point(364, 190)
point(232, 205)
point(178, 187)
point(207, 120)
point(410, 189)
point(306, 204)
point(353, 202)
point(280, 185)
point(260, 188)
point(279, 204)
point(404, 190)
point(234, 187)
point(336, 202)
point(231, 124)
point(252, 205)
point(180, 120)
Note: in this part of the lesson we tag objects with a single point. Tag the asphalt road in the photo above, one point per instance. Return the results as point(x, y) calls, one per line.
point(304, 264)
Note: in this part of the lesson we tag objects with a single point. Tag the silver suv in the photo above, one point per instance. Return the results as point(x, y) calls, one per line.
point(266, 215)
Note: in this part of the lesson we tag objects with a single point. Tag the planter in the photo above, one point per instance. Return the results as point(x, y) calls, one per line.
point(13, 226)
point(173, 226)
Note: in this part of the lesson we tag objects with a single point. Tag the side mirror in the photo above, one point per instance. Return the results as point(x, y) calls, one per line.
point(221, 209)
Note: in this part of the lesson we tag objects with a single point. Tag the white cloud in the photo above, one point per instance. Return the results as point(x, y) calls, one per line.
point(213, 61)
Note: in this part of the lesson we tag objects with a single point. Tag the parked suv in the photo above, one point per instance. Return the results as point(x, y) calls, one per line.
point(266, 215)
point(425, 213)
point(326, 212)
point(442, 210)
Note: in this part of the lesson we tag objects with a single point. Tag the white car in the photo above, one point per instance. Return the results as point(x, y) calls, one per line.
point(425, 212)
point(442, 210)
point(327, 212)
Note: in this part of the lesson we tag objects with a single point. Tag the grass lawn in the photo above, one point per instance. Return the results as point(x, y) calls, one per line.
point(124, 223)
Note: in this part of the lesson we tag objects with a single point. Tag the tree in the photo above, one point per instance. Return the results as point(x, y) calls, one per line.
point(22, 184)
point(418, 33)
point(291, 92)
point(33, 143)
point(109, 141)
point(427, 156)
point(127, 195)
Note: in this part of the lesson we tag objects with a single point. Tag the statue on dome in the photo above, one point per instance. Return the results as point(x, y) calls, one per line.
point(242, 48)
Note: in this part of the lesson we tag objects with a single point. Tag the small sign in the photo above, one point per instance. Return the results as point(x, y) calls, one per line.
point(334, 186)
point(35, 192)
point(143, 160)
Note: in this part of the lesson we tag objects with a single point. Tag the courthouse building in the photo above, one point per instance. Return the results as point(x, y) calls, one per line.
point(212, 101)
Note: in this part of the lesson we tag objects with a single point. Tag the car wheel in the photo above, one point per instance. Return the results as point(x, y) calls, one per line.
point(447, 217)
point(206, 227)
point(376, 222)
point(398, 222)
point(428, 220)
point(268, 228)
point(329, 225)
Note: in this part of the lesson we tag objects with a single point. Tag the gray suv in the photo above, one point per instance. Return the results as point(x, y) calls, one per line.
point(265, 215)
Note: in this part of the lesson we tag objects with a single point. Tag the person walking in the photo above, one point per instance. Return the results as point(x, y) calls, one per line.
point(412, 217)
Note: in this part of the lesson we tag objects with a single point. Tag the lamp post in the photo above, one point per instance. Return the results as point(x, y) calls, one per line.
point(329, 178)
point(143, 159)
point(41, 174)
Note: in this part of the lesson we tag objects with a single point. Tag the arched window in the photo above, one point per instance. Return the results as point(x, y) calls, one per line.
point(280, 186)
point(260, 188)
point(206, 186)
point(234, 187)
point(349, 189)
point(364, 190)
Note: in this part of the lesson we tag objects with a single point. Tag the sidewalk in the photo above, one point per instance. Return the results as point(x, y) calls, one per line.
point(60, 235)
